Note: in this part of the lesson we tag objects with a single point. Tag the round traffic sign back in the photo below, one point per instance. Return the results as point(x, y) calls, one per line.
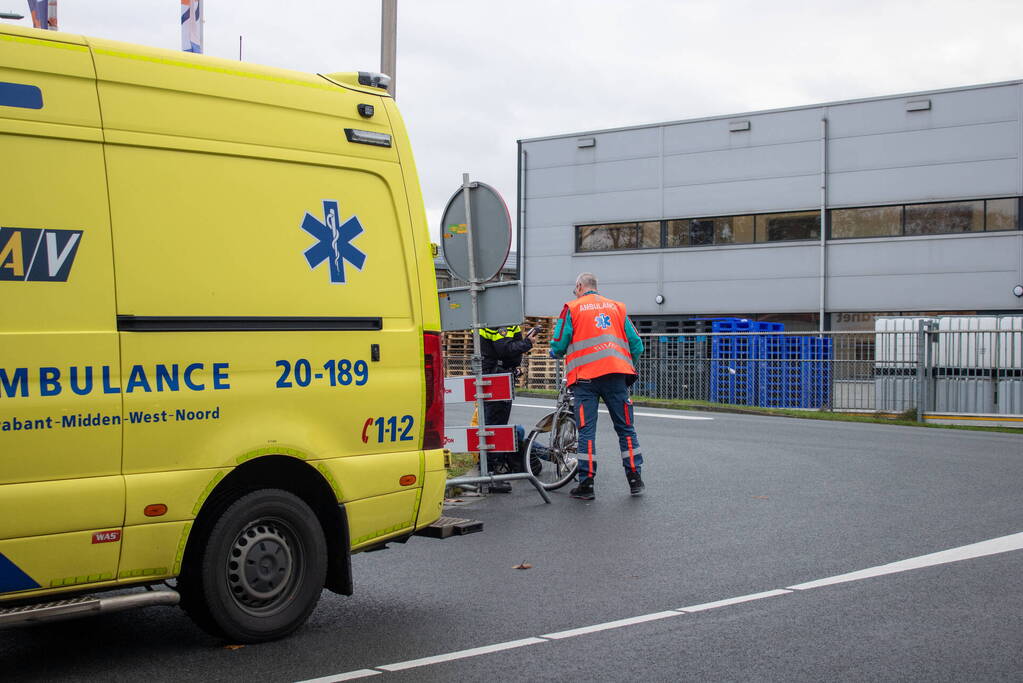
point(491, 232)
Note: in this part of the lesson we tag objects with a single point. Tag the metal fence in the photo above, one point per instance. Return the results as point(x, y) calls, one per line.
point(945, 371)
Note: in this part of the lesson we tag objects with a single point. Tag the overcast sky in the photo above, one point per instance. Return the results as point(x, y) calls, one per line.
point(473, 77)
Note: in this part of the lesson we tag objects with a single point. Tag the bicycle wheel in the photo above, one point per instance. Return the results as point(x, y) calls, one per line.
point(551, 454)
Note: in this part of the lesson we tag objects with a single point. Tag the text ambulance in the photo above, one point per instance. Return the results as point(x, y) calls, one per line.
point(219, 347)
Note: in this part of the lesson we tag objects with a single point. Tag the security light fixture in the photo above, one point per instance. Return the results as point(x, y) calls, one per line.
point(11, 15)
point(1018, 290)
point(918, 105)
point(738, 126)
point(659, 299)
point(586, 142)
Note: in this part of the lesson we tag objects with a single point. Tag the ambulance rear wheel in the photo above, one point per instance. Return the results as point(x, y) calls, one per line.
point(260, 570)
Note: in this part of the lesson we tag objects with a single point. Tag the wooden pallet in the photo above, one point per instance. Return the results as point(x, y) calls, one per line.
point(546, 325)
point(457, 368)
point(458, 351)
point(540, 383)
point(541, 372)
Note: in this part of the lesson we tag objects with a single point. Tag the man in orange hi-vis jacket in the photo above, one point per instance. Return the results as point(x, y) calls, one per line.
point(599, 343)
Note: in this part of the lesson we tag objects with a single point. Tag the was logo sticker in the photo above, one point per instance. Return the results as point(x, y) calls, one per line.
point(37, 255)
point(112, 536)
point(334, 241)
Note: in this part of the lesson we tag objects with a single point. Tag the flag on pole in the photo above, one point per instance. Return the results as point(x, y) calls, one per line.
point(191, 26)
point(44, 13)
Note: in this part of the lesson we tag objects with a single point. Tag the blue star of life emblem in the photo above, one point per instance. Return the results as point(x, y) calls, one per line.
point(335, 241)
point(603, 321)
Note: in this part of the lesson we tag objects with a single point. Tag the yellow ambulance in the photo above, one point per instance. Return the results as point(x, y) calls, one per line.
point(220, 357)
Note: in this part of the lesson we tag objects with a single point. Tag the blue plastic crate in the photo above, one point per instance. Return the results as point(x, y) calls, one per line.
point(778, 387)
point(732, 382)
point(732, 347)
point(778, 371)
point(729, 324)
point(752, 369)
point(815, 380)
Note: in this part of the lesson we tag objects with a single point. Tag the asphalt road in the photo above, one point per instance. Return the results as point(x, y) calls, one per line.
point(735, 505)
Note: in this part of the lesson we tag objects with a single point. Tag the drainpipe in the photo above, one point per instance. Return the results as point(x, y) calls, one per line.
point(520, 264)
point(824, 215)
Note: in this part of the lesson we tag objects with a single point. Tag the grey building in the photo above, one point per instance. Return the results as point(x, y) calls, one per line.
point(918, 195)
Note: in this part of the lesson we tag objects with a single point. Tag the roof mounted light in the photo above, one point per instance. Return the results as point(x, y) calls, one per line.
point(368, 137)
point(374, 79)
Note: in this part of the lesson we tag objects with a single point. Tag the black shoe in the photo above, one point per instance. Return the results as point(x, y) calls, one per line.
point(500, 487)
point(584, 491)
point(535, 465)
point(635, 483)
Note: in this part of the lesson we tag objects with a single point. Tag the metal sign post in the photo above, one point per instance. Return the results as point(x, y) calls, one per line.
point(477, 357)
point(494, 253)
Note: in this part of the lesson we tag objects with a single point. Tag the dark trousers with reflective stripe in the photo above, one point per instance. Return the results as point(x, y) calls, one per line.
point(615, 392)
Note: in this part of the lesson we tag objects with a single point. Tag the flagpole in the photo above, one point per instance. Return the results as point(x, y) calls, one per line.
point(389, 42)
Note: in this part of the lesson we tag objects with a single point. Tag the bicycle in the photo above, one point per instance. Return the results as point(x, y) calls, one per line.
point(551, 446)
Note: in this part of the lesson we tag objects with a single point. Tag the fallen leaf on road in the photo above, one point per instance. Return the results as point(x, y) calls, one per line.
point(524, 565)
point(233, 647)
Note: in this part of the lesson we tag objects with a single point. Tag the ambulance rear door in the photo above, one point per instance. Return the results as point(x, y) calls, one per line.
point(61, 490)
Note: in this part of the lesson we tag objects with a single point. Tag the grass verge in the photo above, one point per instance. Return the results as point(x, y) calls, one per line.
point(907, 419)
point(460, 464)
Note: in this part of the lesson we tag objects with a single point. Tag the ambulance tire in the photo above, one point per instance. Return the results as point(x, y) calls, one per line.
point(260, 570)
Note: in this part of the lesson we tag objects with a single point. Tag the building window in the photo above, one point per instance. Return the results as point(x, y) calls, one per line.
point(877, 221)
point(650, 235)
point(1002, 214)
point(701, 232)
point(606, 237)
point(733, 230)
point(778, 227)
point(611, 237)
point(941, 219)
point(676, 234)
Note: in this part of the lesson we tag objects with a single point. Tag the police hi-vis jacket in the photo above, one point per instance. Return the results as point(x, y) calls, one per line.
point(502, 348)
point(596, 337)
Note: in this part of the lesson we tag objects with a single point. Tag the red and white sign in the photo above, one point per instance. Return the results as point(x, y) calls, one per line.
point(112, 536)
point(463, 389)
point(467, 440)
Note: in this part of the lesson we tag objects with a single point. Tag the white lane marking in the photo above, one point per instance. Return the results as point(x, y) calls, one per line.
point(604, 410)
point(733, 601)
point(990, 547)
point(350, 676)
point(461, 654)
point(668, 417)
point(610, 625)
